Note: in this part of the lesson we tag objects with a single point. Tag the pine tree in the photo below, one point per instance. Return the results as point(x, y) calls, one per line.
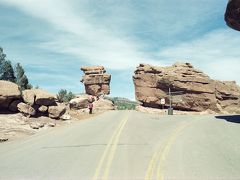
point(2, 61)
point(7, 72)
point(21, 78)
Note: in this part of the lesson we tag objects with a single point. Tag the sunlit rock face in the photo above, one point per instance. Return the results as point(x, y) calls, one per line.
point(198, 92)
point(96, 80)
point(232, 15)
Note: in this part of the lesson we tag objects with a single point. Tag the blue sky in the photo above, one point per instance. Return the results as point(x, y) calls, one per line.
point(52, 39)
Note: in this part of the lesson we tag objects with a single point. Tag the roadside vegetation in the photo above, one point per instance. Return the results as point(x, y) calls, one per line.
point(64, 96)
point(123, 103)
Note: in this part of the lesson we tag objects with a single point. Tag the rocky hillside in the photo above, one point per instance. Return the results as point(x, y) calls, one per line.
point(96, 80)
point(198, 91)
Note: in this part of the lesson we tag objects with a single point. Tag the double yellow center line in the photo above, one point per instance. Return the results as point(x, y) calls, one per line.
point(158, 160)
point(105, 162)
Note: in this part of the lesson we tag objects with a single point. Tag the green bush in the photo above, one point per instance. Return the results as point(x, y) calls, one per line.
point(64, 96)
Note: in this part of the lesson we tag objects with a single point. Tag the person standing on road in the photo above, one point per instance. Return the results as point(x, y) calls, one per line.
point(90, 104)
point(90, 107)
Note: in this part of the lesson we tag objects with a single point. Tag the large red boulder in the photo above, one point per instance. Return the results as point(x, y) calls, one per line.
point(193, 90)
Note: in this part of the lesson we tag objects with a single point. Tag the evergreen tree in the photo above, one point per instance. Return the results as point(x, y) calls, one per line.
point(7, 72)
point(21, 78)
point(2, 61)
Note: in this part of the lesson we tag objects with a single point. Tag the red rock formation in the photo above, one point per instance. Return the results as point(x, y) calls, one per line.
point(96, 80)
point(232, 15)
point(198, 91)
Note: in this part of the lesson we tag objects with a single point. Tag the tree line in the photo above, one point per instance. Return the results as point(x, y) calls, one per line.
point(14, 74)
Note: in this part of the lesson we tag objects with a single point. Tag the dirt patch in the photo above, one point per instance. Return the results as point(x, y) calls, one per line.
point(17, 126)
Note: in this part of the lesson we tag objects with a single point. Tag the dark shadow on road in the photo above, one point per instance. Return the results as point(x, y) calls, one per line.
point(230, 118)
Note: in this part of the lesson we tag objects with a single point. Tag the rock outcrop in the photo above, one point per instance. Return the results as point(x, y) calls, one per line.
point(99, 104)
point(232, 15)
point(196, 90)
point(26, 109)
point(38, 97)
point(79, 102)
point(31, 102)
point(56, 112)
point(96, 80)
point(8, 93)
point(103, 105)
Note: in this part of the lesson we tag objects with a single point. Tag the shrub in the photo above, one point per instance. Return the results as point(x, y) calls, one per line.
point(64, 96)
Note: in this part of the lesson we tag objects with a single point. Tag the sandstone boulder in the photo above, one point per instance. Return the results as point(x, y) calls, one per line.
point(8, 92)
point(65, 117)
point(36, 125)
point(232, 15)
point(44, 98)
point(57, 111)
point(195, 90)
point(29, 96)
point(38, 97)
point(26, 109)
point(103, 104)
point(43, 109)
point(80, 102)
point(96, 80)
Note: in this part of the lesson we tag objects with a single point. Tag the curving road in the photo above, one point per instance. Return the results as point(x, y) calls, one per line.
point(129, 145)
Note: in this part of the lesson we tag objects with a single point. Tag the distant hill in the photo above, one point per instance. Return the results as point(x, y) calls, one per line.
point(123, 103)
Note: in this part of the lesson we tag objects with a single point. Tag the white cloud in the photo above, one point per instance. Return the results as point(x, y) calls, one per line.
point(104, 32)
point(76, 36)
point(216, 53)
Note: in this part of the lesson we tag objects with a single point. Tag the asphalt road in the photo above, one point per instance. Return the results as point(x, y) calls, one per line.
point(129, 145)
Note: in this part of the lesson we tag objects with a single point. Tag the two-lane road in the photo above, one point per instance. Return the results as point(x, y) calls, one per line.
point(128, 145)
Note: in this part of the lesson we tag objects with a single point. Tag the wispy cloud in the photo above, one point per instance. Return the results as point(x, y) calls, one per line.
point(77, 37)
point(216, 53)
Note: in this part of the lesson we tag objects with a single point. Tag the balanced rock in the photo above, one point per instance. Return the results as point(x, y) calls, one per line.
point(8, 92)
point(96, 80)
point(232, 15)
point(26, 109)
point(195, 90)
point(57, 111)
